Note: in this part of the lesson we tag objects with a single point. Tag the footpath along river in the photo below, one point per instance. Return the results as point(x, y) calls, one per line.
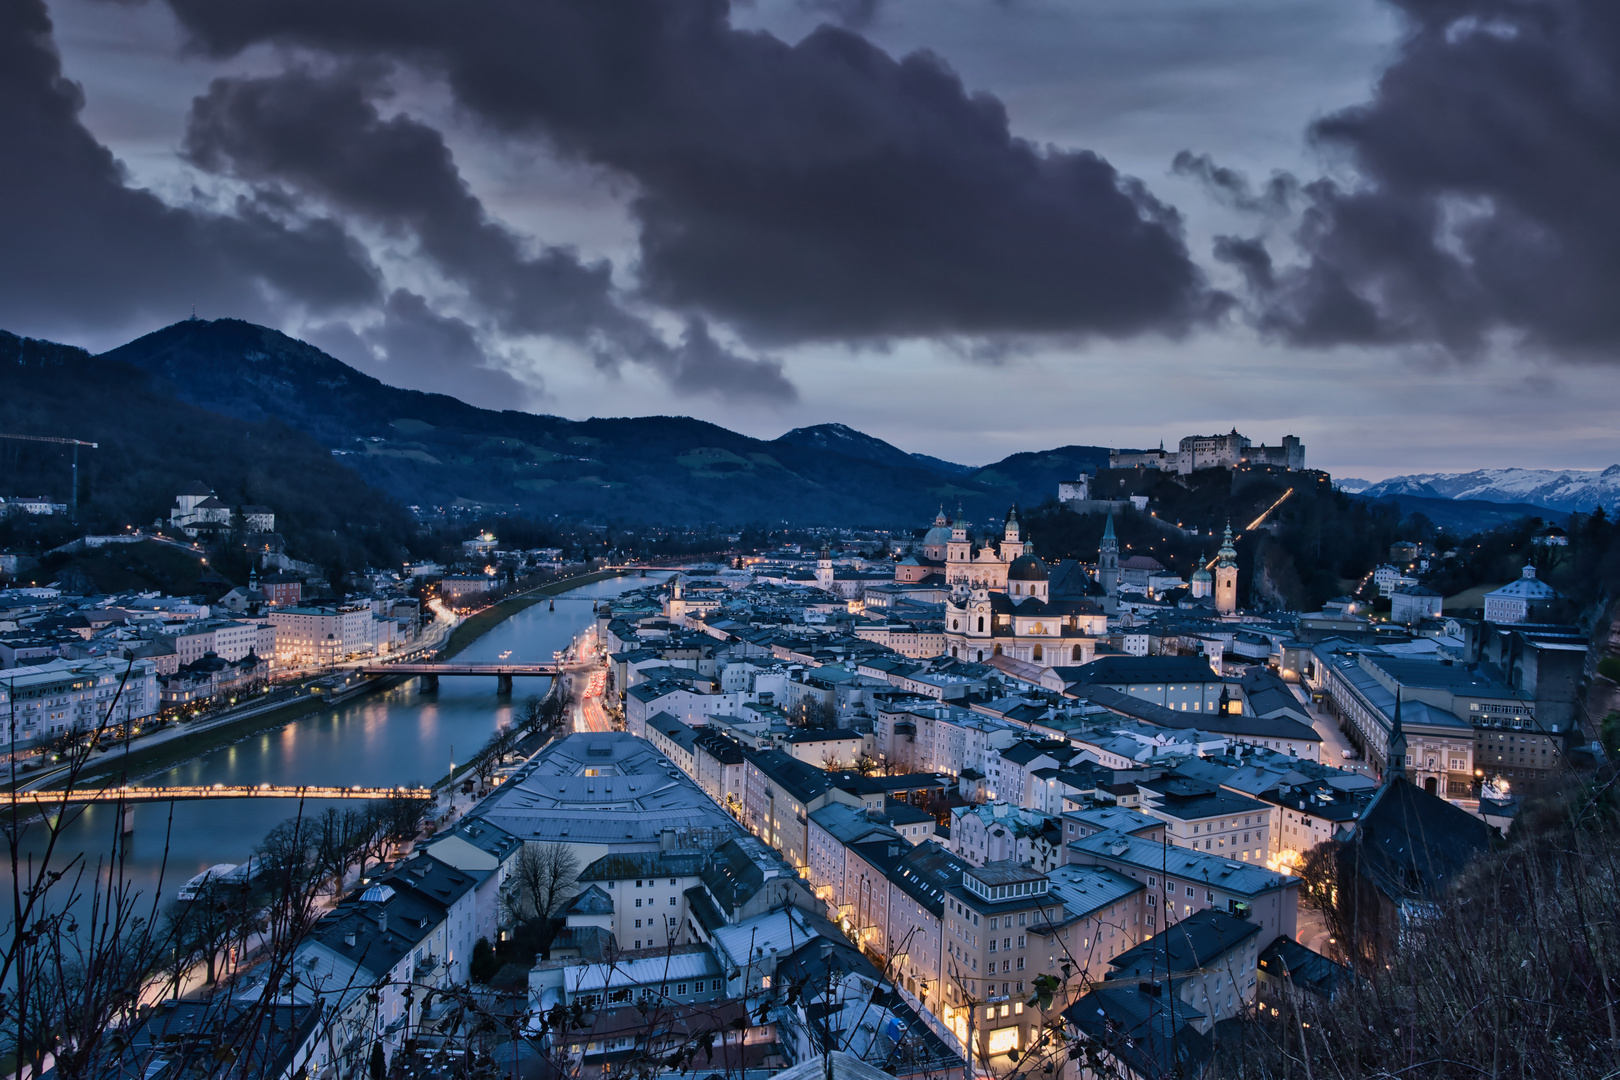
point(398, 736)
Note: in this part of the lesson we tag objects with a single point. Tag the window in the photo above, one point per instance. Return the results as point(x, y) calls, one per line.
point(1020, 963)
point(1022, 918)
point(680, 988)
point(1006, 943)
point(992, 924)
point(1189, 892)
point(638, 883)
point(672, 901)
point(638, 902)
point(992, 944)
point(638, 924)
point(672, 881)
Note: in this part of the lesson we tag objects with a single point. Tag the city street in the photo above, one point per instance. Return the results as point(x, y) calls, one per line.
point(1334, 741)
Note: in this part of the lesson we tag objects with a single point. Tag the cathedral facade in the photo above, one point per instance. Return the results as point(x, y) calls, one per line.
point(1003, 602)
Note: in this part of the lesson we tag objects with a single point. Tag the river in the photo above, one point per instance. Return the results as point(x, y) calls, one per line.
point(398, 736)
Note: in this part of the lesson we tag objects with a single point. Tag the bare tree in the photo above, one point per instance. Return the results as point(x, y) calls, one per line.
point(542, 878)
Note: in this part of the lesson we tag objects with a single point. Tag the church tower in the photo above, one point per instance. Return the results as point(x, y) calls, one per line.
point(1226, 575)
point(824, 569)
point(1395, 758)
point(1012, 545)
point(677, 606)
point(958, 552)
point(1108, 566)
point(1203, 582)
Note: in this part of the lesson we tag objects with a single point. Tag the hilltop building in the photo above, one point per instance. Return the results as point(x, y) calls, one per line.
point(1526, 600)
point(1229, 451)
point(196, 508)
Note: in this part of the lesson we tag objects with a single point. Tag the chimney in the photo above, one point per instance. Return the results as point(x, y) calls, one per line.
point(348, 939)
point(382, 922)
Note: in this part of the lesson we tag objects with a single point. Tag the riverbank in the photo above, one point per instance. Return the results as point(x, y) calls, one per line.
point(478, 625)
point(140, 762)
point(144, 761)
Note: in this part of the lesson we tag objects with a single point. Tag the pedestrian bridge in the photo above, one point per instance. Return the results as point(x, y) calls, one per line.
point(129, 794)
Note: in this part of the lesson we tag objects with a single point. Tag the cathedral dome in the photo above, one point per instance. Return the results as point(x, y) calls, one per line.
point(1027, 568)
point(1202, 575)
point(938, 536)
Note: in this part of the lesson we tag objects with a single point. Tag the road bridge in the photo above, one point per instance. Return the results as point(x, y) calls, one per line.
point(432, 672)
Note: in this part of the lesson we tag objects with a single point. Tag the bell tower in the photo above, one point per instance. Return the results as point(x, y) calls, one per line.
point(1012, 544)
point(1226, 575)
point(824, 568)
point(1108, 565)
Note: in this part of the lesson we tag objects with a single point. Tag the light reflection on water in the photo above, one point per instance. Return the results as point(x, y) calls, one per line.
point(400, 736)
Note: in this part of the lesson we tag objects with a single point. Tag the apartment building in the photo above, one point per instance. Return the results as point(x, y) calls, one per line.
point(1181, 881)
point(779, 795)
point(1000, 925)
point(228, 639)
point(721, 769)
point(1205, 817)
point(43, 702)
point(320, 636)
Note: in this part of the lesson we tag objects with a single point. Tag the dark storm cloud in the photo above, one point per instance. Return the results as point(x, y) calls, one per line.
point(854, 14)
point(322, 134)
point(701, 365)
point(817, 190)
point(1231, 187)
point(434, 352)
point(80, 247)
point(1487, 163)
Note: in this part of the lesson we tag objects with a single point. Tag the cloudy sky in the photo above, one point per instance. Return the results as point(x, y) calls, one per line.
point(970, 227)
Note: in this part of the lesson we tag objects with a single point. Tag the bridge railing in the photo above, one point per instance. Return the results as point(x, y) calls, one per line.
point(128, 793)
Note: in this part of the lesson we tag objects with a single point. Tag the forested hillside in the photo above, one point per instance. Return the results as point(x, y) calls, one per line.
point(149, 443)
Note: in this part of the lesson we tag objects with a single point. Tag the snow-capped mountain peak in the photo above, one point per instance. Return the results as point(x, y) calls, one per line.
point(1566, 489)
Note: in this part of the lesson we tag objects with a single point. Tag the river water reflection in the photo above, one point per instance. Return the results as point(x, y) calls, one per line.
point(400, 736)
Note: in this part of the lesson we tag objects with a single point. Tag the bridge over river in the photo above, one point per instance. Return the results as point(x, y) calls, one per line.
point(213, 791)
point(432, 672)
point(127, 796)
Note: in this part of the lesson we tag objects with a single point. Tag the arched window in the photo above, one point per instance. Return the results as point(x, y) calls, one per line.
point(953, 624)
point(1076, 654)
point(953, 650)
point(997, 651)
point(1036, 655)
point(981, 624)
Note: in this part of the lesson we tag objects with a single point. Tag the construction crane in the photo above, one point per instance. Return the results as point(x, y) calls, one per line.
point(73, 496)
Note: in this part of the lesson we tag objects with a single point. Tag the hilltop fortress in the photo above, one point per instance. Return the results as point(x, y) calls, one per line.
point(1229, 451)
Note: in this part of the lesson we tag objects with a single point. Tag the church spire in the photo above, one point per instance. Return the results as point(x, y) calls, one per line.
point(1228, 553)
point(1396, 765)
point(1108, 530)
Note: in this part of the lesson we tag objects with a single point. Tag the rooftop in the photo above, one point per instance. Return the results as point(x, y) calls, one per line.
point(605, 788)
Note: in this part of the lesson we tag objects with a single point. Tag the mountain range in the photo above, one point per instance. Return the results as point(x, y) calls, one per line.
point(430, 450)
point(1567, 490)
